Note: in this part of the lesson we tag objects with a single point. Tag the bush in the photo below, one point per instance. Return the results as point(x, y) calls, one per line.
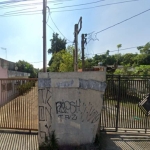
point(25, 87)
point(50, 143)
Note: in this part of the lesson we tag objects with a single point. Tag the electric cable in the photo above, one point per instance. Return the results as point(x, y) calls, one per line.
point(123, 21)
point(59, 30)
point(115, 50)
point(94, 6)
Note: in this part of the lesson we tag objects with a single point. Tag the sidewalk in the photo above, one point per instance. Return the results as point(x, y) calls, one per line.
point(12, 141)
point(123, 141)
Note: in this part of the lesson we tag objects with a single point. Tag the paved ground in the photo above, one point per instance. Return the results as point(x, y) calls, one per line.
point(124, 141)
point(12, 141)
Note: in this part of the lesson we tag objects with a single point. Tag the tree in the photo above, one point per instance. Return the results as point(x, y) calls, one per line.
point(57, 44)
point(106, 59)
point(24, 66)
point(62, 61)
point(128, 59)
point(141, 59)
point(144, 49)
point(118, 46)
point(142, 70)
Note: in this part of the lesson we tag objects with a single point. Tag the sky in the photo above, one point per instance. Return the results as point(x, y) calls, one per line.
point(21, 34)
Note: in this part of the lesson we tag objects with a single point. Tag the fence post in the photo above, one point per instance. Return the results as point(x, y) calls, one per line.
point(118, 104)
point(146, 116)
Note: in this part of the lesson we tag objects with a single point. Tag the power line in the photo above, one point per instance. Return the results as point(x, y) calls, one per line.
point(68, 10)
point(95, 6)
point(16, 1)
point(79, 4)
point(86, 4)
point(123, 21)
point(115, 50)
point(23, 14)
point(20, 10)
point(50, 27)
point(59, 30)
point(7, 6)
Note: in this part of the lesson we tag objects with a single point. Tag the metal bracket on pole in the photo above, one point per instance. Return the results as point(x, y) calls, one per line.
point(80, 25)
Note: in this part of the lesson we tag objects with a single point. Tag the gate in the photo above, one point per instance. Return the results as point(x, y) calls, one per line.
point(125, 105)
point(19, 104)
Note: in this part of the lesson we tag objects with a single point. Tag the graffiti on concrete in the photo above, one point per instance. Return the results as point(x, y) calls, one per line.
point(44, 83)
point(92, 84)
point(71, 110)
point(42, 133)
point(68, 109)
point(89, 113)
point(65, 84)
point(45, 110)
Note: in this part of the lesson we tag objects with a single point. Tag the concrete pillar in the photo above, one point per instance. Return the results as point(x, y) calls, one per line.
point(70, 104)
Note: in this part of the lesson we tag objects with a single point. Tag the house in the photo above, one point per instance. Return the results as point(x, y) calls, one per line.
point(8, 81)
point(95, 68)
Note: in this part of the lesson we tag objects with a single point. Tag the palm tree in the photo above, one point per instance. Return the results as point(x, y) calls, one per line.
point(118, 46)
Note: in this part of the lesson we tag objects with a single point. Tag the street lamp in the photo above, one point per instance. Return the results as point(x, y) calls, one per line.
point(4, 50)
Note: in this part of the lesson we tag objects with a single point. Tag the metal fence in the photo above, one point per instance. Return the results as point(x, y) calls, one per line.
point(19, 104)
point(123, 104)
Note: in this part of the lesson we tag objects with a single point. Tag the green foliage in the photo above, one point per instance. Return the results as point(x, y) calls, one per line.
point(57, 44)
point(133, 64)
point(142, 59)
point(23, 88)
point(62, 61)
point(119, 46)
point(50, 143)
point(142, 70)
point(123, 71)
point(144, 49)
point(137, 70)
point(128, 59)
point(106, 59)
point(24, 66)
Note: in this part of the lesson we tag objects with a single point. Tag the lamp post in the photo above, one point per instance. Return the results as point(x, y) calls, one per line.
point(4, 50)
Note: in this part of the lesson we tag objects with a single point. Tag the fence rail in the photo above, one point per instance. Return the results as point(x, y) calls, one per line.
point(19, 104)
point(121, 103)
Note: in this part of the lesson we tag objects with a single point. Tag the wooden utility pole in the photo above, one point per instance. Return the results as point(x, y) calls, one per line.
point(82, 48)
point(44, 37)
point(83, 41)
point(77, 29)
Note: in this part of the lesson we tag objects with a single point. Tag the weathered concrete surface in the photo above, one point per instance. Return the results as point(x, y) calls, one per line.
point(70, 104)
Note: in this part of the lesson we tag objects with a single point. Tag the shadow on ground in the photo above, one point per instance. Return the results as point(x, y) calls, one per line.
point(123, 141)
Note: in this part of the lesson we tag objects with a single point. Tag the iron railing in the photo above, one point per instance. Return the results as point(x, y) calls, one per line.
point(121, 103)
point(19, 104)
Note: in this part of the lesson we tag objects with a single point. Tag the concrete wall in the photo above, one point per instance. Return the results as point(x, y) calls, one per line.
point(3, 73)
point(3, 63)
point(7, 64)
point(70, 104)
point(17, 74)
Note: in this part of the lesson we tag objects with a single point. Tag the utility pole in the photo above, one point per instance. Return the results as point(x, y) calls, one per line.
point(44, 36)
point(77, 29)
point(83, 41)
